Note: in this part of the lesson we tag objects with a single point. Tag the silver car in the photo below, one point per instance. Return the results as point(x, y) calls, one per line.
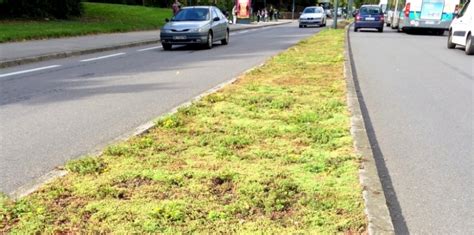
point(312, 16)
point(195, 25)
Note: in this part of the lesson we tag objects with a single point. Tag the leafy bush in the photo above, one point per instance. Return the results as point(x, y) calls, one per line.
point(86, 165)
point(154, 3)
point(60, 9)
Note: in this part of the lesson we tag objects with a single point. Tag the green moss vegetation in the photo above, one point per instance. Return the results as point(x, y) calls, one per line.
point(98, 18)
point(270, 153)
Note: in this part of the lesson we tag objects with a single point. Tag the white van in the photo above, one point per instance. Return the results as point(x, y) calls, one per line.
point(435, 15)
point(461, 29)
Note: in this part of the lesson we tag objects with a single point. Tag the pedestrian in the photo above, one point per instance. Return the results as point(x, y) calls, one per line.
point(234, 14)
point(271, 13)
point(265, 15)
point(258, 16)
point(176, 7)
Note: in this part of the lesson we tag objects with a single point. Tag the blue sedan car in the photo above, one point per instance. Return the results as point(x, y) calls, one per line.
point(195, 25)
point(369, 16)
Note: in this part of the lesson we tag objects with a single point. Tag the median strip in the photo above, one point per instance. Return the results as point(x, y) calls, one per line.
point(270, 153)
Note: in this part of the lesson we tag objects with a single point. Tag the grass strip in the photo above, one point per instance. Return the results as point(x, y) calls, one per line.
point(270, 153)
point(97, 18)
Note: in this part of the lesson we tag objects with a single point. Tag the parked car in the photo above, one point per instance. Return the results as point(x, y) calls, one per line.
point(329, 13)
point(195, 25)
point(388, 17)
point(369, 16)
point(462, 28)
point(312, 16)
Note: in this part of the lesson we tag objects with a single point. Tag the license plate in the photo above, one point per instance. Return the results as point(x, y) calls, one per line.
point(369, 18)
point(429, 22)
point(179, 37)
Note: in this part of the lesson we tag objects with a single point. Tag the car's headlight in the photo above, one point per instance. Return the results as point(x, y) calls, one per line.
point(167, 31)
point(196, 30)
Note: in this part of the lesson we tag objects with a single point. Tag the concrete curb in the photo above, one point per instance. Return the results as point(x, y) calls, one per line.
point(65, 54)
point(376, 208)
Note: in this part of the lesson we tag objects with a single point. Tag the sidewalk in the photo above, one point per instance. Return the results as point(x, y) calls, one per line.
point(17, 53)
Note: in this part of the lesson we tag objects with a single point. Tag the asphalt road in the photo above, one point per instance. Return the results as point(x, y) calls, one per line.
point(418, 98)
point(54, 111)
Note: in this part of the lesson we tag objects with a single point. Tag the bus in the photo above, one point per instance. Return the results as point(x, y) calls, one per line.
point(434, 15)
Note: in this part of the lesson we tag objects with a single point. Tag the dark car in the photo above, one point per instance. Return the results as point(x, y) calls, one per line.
point(195, 25)
point(369, 16)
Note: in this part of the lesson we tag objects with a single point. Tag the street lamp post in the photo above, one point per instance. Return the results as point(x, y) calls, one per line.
point(293, 10)
point(335, 14)
point(349, 9)
point(394, 13)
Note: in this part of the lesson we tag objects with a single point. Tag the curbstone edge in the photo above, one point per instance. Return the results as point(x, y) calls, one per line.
point(376, 209)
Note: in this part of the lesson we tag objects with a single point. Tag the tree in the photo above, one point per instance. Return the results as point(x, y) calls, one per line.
point(61, 9)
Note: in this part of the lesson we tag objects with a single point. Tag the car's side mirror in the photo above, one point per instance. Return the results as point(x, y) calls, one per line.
point(217, 18)
point(167, 20)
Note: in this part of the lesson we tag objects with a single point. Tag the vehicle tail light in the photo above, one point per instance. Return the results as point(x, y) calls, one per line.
point(358, 17)
point(382, 17)
point(407, 10)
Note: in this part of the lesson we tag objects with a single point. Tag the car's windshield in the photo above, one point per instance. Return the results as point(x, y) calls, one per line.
point(192, 14)
point(312, 10)
point(370, 10)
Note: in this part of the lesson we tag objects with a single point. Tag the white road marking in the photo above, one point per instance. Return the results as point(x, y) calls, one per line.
point(149, 48)
point(28, 71)
point(103, 57)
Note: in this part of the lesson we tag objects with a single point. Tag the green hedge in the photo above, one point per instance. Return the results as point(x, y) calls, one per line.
point(60, 9)
point(152, 3)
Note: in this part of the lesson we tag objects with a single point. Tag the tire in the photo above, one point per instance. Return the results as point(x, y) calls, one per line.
point(469, 45)
point(399, 29)
point(388, 24)
point(209, 42)
point(355, 29)
point(380, 30)
point(301, 26)
point(167, 46)
point(439, 32)
point(225, 41)
point(450, 43)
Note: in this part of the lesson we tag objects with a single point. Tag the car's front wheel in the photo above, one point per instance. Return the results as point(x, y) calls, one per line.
point(209, 41)
point(167, 46)
point(469, 46)
point(450, 43)
point(225, 41)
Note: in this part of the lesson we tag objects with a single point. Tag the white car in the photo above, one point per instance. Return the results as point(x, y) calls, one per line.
point(312, 16)
point(462, 28)
point(388, 17)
